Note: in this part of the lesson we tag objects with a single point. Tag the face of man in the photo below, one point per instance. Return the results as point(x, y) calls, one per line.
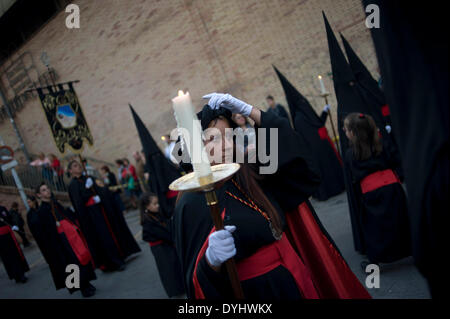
point(44, 193)
point(271, 102)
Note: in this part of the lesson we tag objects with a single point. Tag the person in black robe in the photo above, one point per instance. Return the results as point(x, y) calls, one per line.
point(108, 236)
point(353, 97)
point(17, 220)
point(156, 231)
point(55, 245)
point(10, 252)
point(376, 182)
point(111, 182)
point(276, 108)
point(281, 249)
point(312, 130)
point(412, 52)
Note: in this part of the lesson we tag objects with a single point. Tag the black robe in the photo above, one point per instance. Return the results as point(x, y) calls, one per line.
point(161, 244)
point(109, 238)
point(382, 214)
point(10, 252)
point(54, 246)
point(412, 52)
point(290, 186)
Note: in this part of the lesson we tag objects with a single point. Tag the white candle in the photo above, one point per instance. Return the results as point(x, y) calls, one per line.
point(187, 120)
point(322, 86)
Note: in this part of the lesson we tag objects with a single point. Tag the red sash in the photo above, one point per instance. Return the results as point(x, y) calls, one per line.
point(271, 256)
point(90, 202)
point(154, 243)
point(378, 179)
point(79, 247)
point(7, 230)
point(323, 134)
point(170, 194)
point(385, 110)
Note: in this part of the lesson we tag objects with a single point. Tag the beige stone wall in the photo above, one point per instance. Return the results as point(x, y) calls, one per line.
point(142, 52)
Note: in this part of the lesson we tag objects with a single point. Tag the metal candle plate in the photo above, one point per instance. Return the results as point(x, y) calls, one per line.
point(190, 183)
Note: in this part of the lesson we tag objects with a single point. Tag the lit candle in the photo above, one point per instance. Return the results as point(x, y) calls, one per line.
point(187, 120)
point(322, 86)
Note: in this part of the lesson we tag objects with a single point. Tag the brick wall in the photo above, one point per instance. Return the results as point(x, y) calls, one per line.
point(142, 52)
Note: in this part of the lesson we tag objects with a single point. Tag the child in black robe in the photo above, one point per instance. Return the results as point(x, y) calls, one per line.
point(10, 252)
point(103, 224)
point(56, 247)
point(376, 181)
point(280, 248)
point(156, 231)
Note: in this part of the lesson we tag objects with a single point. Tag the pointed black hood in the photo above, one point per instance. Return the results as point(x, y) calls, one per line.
point(162, 172)
point(311, 131)
point(348, 92)
point(362, 74)
point(298, 104)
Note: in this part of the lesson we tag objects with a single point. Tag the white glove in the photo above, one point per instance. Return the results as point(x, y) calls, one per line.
point(229, 102)
point(97, 199)
point(89, 183)
point(326, 108)
point(15, 228)
point(388, 129)
point(220, 246)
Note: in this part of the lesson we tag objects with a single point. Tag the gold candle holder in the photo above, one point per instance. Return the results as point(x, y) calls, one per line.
point(190, 183)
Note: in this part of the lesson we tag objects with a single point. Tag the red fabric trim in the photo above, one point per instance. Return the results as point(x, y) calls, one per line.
point(110, 230)
point(154, 243)
point(271, 256)
point(75, 241)
point(90, 202)
point(330, 273)
point(378, 179)
point(323, 134)
point(8, 230)
point(197, 288)
point(170, 194)
point(4, 230)
point(385, 110)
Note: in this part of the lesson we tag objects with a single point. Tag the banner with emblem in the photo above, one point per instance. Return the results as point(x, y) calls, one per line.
point(65, 117)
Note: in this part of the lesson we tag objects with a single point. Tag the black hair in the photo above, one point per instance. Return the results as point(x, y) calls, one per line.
point(269, 97)
point(144, 201)
point(37, 189)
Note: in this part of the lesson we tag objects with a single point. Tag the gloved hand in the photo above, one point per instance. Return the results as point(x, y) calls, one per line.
point(15, 228)
point(220, 246)
point(229, 102)
point(89, 183)
point(388, 129)
point(97, 199)
point(326, 108)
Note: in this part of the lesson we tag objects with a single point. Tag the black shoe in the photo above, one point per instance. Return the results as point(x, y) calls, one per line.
point(87, 292)
point(92, 287)
point(121, 267)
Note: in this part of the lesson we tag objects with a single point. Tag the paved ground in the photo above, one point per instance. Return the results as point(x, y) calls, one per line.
point(141, 279)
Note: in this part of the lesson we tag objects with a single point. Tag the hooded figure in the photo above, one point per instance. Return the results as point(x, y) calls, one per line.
point(162, 171)
point(280, 248)
point(412, 52)
point(312, 130)
point(351, 99)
